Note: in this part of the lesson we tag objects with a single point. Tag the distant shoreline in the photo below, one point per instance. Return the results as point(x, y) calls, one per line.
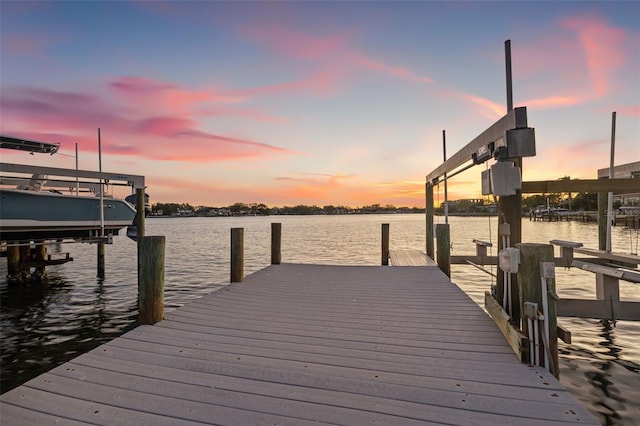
point(459, 214)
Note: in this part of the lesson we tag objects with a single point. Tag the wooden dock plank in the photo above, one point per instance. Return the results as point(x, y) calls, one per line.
point(296, 344)
point(307, 402)
point(410, 257)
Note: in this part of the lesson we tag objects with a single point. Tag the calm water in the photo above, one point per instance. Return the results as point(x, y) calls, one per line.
point(44, 325)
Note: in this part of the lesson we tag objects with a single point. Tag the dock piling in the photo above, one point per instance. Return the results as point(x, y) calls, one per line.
point(276, 240)
point(429, 219)
point(443, 242)
point(385, 244)
point(150, 279)
point(13, 260)
point(237, 255)
point(39, 256)
point(530, 278)
point(101, 253)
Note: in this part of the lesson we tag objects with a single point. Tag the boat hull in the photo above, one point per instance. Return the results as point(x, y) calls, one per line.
point(28, 215)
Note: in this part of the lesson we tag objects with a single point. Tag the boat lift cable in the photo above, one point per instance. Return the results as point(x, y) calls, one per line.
point(482, 268)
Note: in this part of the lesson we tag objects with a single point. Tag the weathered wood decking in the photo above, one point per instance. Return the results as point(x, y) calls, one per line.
point(410, 257)
point(306, 344)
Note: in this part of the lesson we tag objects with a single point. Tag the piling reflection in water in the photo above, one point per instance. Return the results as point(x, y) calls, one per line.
point(45, 324)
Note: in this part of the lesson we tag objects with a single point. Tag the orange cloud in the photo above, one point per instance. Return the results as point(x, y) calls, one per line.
point(488, 108)
point(554, 102)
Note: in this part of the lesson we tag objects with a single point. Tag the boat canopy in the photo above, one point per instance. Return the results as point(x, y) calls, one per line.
point(28, 145)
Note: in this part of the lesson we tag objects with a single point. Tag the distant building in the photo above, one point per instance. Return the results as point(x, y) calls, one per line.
point(630, 170)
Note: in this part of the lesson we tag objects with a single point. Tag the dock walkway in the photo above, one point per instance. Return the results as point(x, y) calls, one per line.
point(410, 257)
point(306, 344)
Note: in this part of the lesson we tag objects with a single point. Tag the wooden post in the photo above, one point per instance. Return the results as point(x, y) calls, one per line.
point(40, 256)
point(237, 255)
point(101, 252)
point(25, 257)
point(150, 279)
point(530, 279)
point(429, 218)
point(276, 240)
point(608, 288)
point(511, 210)
point(444, 248)
point(140, 231)
point(13, 260)
point(385, 244)
point(602, 220)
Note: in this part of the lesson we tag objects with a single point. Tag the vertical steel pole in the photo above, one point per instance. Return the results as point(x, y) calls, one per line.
point(507, 54)
point(101, 188)
point(610, 216)
point(77, 181)
point(444, 155)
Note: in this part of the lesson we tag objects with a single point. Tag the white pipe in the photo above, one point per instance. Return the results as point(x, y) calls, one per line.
point(536, 340)
point(508, 281)
point(545, 315)
point(505, 274)
point(610, 216)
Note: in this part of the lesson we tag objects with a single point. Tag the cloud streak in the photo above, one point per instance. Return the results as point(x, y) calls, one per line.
point(149, 136)
point(601, 45)
point(332, 53)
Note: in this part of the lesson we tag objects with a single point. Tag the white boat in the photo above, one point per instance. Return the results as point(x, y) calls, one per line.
point(31, 211)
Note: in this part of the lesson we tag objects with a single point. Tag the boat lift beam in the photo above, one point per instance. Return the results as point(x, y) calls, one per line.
point(481, 148)
point(134, 180)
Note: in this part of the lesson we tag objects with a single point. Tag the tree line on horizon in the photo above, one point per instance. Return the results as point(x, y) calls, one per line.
point(583, 201)
point(260, 209)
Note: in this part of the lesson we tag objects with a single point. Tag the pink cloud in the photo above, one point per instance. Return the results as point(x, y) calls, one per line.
point(132, 131)
point(252, 114)
point(587, 54)
point(330, 52)
point(319, 83)
point(629, 110)
point(602, 47)
point(24, 44)
point(156, 95)
point(390, 69)
point(163, 126)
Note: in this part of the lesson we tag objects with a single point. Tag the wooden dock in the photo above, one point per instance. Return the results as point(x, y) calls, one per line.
point(410, 257)
point(306, 344)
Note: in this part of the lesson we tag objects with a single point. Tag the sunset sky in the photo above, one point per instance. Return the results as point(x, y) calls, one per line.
point(340, 103)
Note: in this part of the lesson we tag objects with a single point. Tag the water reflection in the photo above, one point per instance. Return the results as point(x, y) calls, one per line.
point(596, 373)
point(49, 322)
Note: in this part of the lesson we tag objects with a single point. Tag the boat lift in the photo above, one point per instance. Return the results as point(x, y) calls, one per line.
point(18, 247)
